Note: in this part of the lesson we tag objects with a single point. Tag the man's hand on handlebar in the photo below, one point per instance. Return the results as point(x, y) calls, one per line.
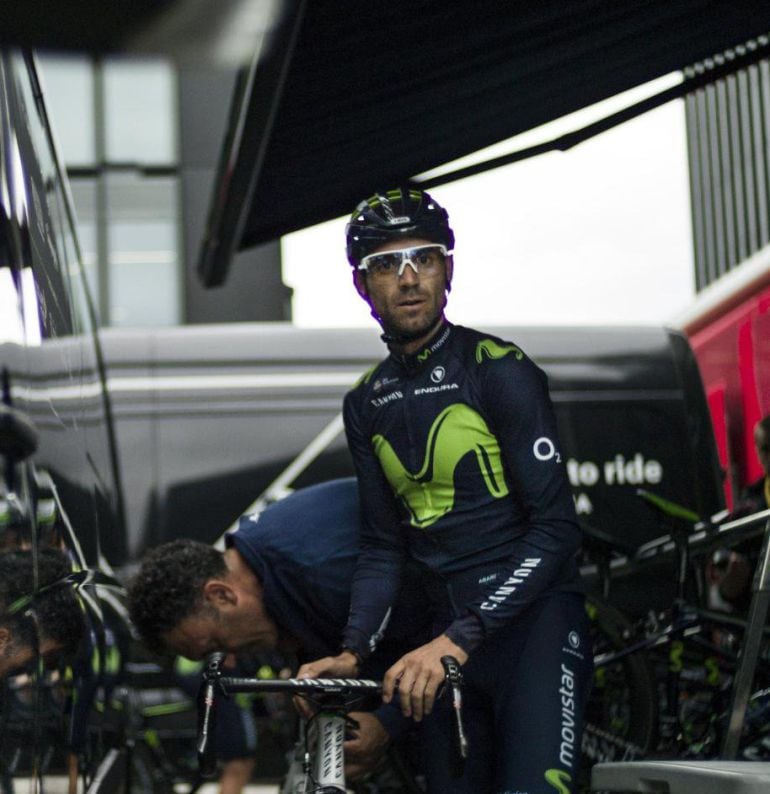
point(344, 665)
point(419, 674)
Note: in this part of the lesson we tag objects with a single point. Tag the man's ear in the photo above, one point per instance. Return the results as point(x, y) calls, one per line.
point(359, 279)
point(5, 639)
point(219, 594)
point(449, 269)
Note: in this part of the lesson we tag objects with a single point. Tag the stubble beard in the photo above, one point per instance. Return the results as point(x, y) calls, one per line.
point(406, 330)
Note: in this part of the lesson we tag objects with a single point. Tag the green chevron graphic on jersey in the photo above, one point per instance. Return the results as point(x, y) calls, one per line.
point(430, 493)
point(491, 349)
point(366, 377)
point(559, 779)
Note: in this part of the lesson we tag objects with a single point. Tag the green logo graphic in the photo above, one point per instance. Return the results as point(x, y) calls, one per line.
point(490, 349)
point(559, 779)
point(430, 493)
point(424, 355)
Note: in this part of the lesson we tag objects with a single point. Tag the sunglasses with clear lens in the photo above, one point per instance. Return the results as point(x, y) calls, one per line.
point(423, 259)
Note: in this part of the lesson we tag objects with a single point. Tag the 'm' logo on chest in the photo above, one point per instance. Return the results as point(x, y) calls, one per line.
point(429, 493)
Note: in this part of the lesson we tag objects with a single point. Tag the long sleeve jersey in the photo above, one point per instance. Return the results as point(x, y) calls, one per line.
point(459, 469)
point(303, 551)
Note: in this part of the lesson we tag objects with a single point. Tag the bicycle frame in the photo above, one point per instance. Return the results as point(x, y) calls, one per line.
point(686, 622)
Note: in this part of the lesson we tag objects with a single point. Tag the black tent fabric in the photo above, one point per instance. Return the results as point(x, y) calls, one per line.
point(92, 26)
point(375, 93)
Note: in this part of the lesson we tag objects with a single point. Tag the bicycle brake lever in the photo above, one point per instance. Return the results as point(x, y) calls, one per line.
point(207, 759)
point(454, 678)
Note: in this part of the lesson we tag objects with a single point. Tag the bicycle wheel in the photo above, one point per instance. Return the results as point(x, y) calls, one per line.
point(621, 713)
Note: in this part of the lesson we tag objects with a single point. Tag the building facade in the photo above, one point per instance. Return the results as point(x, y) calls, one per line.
point(140, 140)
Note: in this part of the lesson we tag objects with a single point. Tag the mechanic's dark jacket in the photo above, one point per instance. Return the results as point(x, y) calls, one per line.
point(459, 468)
point(303, 549)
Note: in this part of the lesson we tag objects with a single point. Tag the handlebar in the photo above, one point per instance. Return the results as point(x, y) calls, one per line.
point(213, 682)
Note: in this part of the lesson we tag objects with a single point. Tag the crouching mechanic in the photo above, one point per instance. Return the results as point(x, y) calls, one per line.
point(454, 440)
point(283, 583)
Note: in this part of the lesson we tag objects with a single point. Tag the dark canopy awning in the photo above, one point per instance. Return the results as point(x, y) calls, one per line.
point(365, 95)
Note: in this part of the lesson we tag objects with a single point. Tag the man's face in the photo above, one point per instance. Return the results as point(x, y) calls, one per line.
point(408, 304)
point(17, 657)
point(211, 629)
point(762, 442)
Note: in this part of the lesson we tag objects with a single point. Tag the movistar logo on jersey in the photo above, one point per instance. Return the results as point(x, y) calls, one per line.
point(423, 354)
point(490, 349)
point(568, 737)
point(559, 779)
point(429, 493)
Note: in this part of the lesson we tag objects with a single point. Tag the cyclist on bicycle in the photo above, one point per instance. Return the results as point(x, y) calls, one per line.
point(455, 446)
point(282, 583)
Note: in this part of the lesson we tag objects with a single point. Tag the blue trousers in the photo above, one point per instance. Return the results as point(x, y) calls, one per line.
point(525, 691)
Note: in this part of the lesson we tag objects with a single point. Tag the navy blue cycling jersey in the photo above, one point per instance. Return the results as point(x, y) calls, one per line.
point(459, 468)
point(303, 549)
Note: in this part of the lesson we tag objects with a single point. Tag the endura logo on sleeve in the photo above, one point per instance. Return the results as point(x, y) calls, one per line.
point(488, 348)
point(509, 586)
point(430, 493)
point(436, 389)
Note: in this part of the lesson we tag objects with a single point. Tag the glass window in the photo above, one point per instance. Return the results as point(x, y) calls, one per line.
point(84, 199)
point(140, 112)
point(143, 248)
point(68, 86)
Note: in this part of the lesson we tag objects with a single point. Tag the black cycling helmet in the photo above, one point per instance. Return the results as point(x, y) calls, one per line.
point(393, 214)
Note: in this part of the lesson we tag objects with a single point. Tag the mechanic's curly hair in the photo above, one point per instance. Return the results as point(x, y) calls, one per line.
point(169, 587)
point(51, 612)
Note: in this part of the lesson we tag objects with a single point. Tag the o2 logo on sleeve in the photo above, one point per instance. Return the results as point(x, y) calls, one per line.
point(544, 449)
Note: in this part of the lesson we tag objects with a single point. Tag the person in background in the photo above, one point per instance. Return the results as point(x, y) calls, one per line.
point(45, 621)
point(729, 571)
point(282, 584)
point(756, 496)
